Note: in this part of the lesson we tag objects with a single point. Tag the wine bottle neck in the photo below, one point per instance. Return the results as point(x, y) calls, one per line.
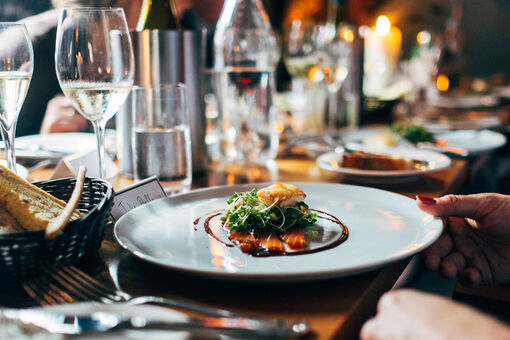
point(157, 14)
point(336, 12)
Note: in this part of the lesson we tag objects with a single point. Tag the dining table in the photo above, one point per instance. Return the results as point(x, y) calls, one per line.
point(334, 307)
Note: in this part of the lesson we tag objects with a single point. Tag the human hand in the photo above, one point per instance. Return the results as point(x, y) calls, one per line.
point(475, 245)
point(61, 116)
point(408, 314)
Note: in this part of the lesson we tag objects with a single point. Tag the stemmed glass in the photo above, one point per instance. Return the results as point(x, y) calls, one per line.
point(95, 65)
point(334, 46)
point(300, 50)
point(16, 67)
point(302, 62)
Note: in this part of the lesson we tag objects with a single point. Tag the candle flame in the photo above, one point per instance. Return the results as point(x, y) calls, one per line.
point(382, 25)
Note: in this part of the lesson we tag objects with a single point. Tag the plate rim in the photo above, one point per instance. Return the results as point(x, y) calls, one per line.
point(496, 134)
point(272, 277)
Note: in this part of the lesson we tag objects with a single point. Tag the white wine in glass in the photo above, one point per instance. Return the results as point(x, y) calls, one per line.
point(95, 65)
point(16, 67)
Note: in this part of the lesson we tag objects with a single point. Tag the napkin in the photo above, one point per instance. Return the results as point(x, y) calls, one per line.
point(68, 166)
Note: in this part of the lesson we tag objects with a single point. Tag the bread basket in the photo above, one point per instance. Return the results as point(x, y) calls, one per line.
point(21, 254)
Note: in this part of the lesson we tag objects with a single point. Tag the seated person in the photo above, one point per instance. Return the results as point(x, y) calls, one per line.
point(475, 247)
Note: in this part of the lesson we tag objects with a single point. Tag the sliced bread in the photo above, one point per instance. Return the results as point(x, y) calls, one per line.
point(32, 207)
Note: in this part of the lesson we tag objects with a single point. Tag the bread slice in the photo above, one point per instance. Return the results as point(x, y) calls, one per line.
point(363, 161)
point(32, 207)
point(8, 223)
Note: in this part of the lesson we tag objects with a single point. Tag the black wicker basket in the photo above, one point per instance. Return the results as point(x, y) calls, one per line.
point(22, 253)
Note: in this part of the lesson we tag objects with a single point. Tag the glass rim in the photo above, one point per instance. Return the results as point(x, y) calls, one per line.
point(12, 23)
point(178, 86)
point(93, 9)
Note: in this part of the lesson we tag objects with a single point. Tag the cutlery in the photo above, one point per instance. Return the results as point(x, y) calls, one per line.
point(445, 149)
point(99, 322)
point(68, 284)
point(33, 147)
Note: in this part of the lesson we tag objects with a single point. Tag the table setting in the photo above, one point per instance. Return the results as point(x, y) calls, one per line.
point(293, 229)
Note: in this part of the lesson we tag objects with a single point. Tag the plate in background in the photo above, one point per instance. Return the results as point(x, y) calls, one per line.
point(332, 161)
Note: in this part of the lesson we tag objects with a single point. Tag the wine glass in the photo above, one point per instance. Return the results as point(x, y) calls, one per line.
point(16, 67)
point(334, 46)
point(302, 62)
point(300, 50)
point(95, 65)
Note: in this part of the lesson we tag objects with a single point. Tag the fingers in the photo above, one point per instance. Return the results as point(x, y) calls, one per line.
point(452, 264)
point(470, 206)
point(470, 277)
point(432, 255)
point(396, 316)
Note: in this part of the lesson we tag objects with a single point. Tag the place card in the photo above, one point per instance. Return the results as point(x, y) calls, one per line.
point(135, 195)
point(68, 166)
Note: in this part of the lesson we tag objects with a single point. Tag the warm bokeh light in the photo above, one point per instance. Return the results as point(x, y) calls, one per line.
point(279, 126)
point(423, 37)
point(442, 82)
point(348, 35)
point(315, 74)
point(382, 25)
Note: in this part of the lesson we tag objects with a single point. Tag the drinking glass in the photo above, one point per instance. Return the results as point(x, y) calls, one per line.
point(334, 46)
point(16, 67)
point(161, 136)
point(300, 53)
point(302, 61)
point(95, 65)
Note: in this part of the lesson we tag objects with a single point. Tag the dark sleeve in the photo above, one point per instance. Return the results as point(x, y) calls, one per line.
point(43, 86)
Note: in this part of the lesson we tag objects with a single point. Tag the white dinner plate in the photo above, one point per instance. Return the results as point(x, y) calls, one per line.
point(473, 141)
point(57, 145)
point(332, 161)
point(383, 227)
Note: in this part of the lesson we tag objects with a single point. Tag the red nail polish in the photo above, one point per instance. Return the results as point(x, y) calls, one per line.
point(426, 200)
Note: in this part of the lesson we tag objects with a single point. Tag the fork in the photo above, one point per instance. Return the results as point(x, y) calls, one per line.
point(69, 284)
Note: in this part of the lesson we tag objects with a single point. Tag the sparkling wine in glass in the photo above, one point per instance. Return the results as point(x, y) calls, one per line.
point(16, 67)
point(95, 65)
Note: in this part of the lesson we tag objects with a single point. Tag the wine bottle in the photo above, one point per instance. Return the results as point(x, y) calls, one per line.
point(336, 12)
point(244, 64)
point(157, 14)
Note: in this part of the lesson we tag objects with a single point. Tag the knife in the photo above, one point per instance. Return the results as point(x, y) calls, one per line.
point(35, 148)
point(98, 322)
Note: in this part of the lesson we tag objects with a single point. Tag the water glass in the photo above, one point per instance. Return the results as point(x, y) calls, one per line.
point(161, 136)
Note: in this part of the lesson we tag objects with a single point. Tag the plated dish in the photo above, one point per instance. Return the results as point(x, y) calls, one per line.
point(421, 162)
point(472, 141)
point(383, 227)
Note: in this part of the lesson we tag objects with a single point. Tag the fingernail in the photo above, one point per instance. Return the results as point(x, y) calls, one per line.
point(426, 200)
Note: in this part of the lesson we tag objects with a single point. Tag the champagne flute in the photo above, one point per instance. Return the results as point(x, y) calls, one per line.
point(95, 65)
point(16, 67)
